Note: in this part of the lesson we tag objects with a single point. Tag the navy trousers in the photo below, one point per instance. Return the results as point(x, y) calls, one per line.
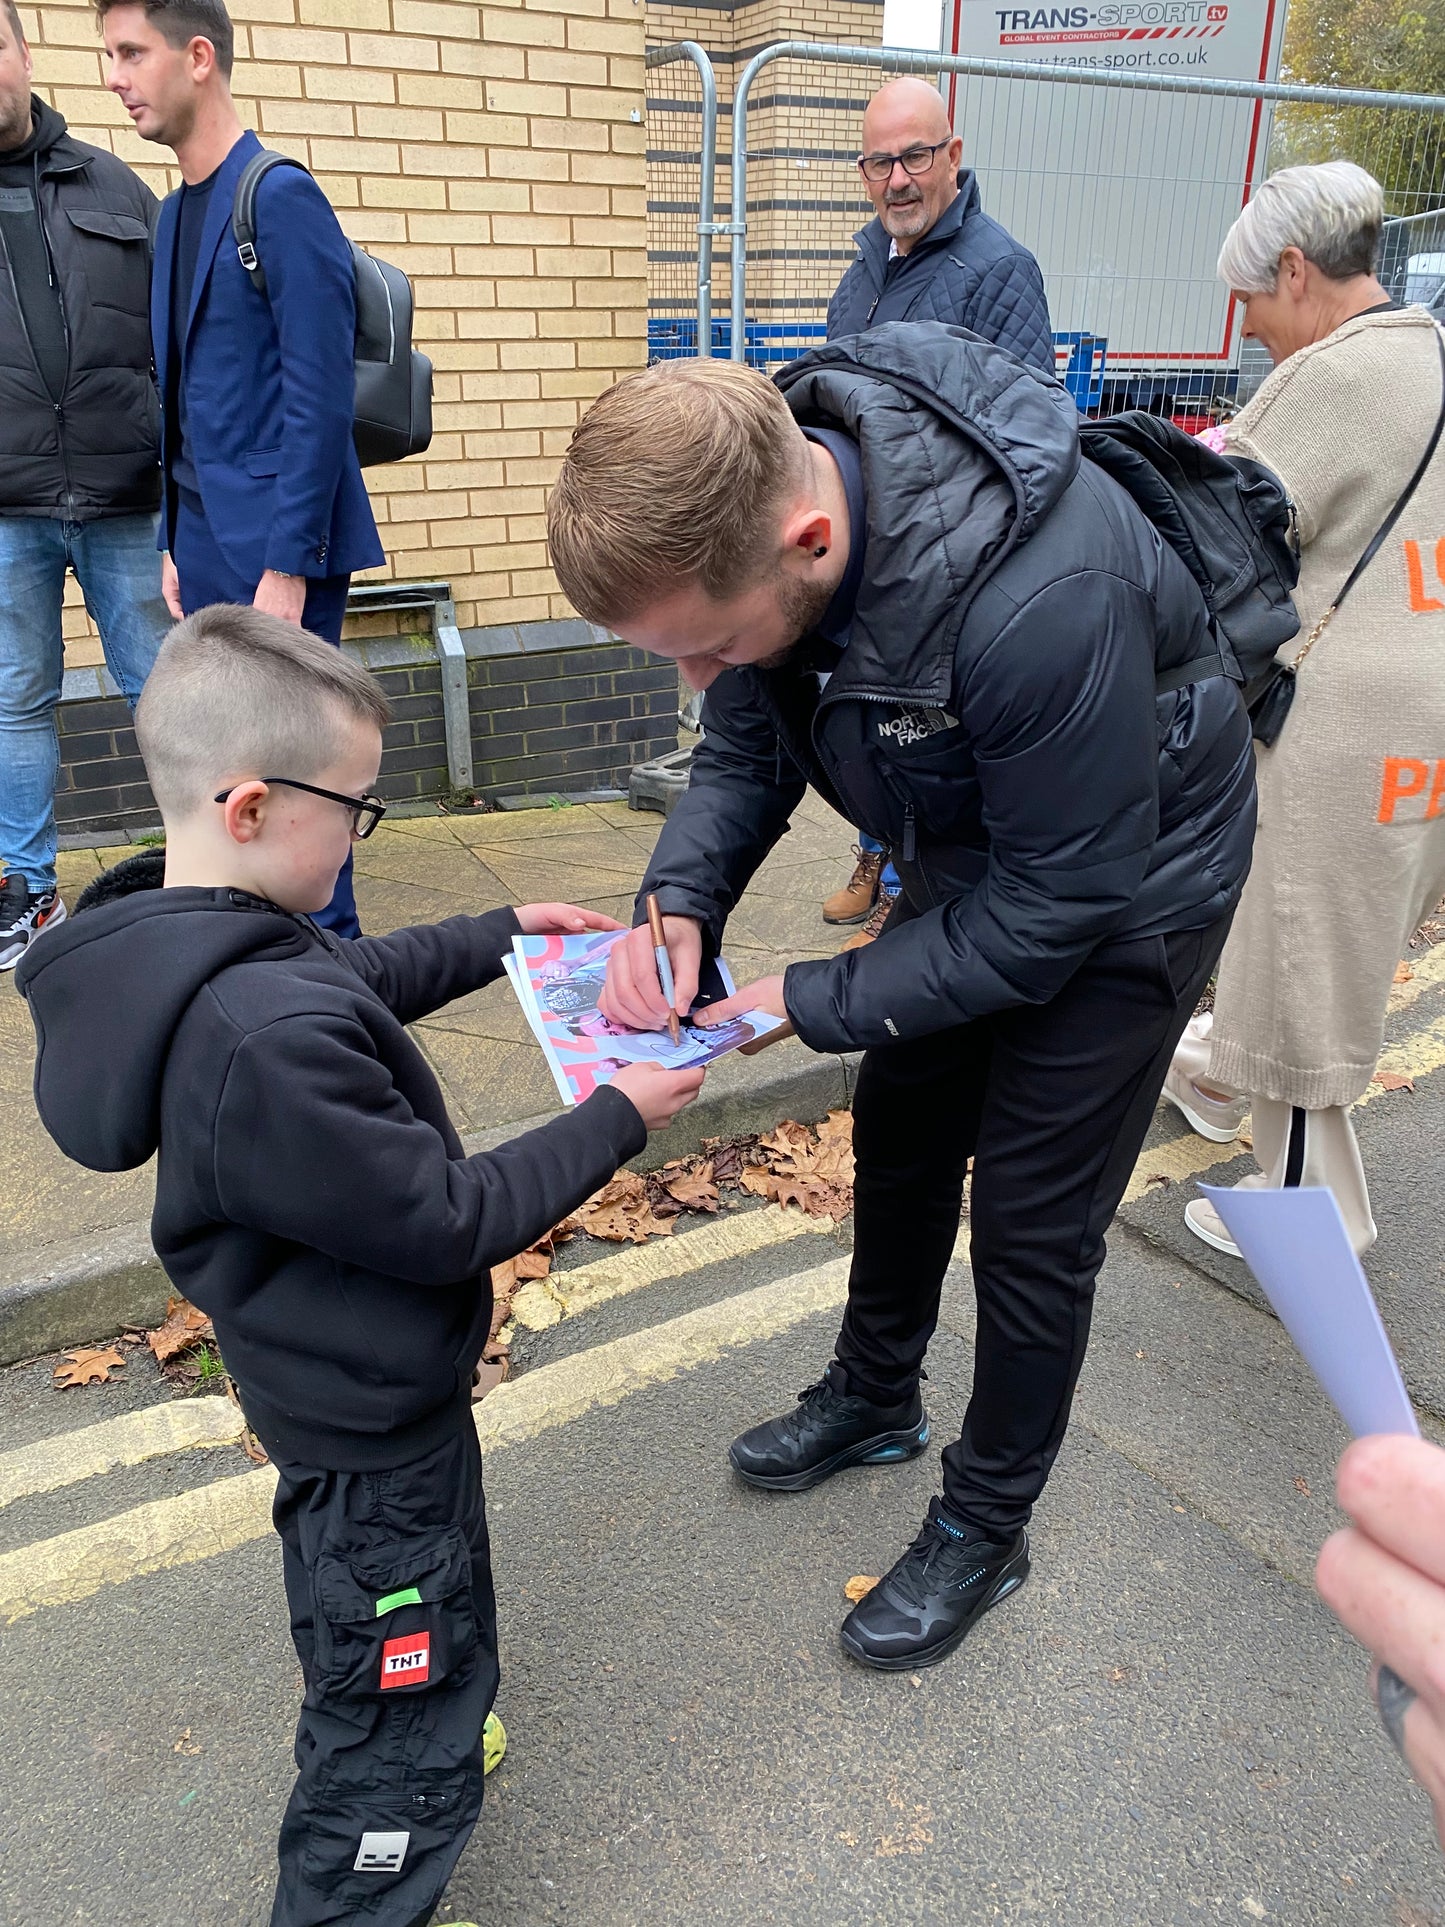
point(207, 577)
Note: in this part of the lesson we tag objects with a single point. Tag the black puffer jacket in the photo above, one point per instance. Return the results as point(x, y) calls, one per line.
point(994, 717)
point(97, 454)
point(967, 271)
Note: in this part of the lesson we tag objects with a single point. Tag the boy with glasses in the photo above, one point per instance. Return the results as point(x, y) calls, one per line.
point(313, 1197)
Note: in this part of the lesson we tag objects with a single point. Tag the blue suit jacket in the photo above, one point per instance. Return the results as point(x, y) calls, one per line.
point(269, 384)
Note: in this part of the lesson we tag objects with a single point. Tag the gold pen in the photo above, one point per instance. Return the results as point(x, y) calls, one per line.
point(664, 967)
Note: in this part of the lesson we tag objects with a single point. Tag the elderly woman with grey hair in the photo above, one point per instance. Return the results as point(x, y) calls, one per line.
point(1350, 852)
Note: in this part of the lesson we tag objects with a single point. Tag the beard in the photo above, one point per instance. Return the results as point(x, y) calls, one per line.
point(15, 120)
point(801, 604)
point(904, 220)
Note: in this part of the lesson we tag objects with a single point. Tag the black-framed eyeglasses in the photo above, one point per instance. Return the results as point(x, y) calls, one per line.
point(366, 811)
point(914, 160)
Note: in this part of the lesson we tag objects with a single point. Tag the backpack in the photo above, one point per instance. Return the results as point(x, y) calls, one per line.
point(393, 380)
point(1229, 521)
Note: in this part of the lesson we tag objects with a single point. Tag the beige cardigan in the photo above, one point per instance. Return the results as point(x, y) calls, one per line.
point(1350, 852)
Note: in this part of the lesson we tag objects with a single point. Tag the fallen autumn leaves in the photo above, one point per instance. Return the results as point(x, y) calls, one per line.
point(807, 1167)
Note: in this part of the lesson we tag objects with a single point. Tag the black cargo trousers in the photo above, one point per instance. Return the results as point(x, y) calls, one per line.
point(1052, 1102)
point(389, 1583)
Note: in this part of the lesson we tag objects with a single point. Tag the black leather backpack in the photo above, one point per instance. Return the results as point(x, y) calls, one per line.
point(393, 379)
point(1226, 517)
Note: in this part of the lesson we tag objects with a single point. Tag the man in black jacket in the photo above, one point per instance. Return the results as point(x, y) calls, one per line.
point(79, 480)
point(897, 582)
point(931, 254)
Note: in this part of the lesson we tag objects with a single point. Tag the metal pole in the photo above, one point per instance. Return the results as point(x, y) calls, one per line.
point(903, 61)
point(707, 227)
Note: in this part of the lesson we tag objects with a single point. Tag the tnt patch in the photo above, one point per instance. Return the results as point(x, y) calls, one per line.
point(407, 1661)
point(381, 1853)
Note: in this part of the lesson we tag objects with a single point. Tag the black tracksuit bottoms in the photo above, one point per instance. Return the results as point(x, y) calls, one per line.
point(389, 1584)
point(1052, 1103)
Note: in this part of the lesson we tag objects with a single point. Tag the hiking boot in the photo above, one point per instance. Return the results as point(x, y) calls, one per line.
point(23, 917)
point(874, 926)
point(920, 1610)
point(828, 1429)
point(853, 902)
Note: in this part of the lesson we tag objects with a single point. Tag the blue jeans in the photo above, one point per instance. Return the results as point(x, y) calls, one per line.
point(206, 577)
point(888, 883)
point(119, 572)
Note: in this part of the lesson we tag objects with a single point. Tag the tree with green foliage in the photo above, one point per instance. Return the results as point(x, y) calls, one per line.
point(1387, 47)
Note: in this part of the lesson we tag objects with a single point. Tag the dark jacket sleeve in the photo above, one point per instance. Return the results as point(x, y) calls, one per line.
point(420, 969)
point(1008, 306)
point(742, 789)
point(1061, 708)
point(367, 1181)
point(311, 285)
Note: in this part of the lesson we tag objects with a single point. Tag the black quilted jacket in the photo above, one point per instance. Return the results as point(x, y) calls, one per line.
point(993, 718)
point(97, 453)
point(967, 271)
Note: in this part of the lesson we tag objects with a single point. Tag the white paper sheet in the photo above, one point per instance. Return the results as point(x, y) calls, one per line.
point(1295, 1243)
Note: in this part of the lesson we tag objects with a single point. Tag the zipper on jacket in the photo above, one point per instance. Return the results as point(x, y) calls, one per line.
point(910, 841)
point(65, 331)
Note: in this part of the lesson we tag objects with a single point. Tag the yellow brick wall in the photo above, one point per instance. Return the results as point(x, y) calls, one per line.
point(805, 200)
point(496, 152)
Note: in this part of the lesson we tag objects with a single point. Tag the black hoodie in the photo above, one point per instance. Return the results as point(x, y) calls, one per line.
point(312, 1194)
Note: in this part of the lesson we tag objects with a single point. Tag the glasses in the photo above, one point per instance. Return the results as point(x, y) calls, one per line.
point(366, 811)
point(914, 160)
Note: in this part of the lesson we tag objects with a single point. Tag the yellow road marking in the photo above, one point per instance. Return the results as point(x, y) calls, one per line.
point(546, 1301)
point(68, 1457)
point(196, 1525)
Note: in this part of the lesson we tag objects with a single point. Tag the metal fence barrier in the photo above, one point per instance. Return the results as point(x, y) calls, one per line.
point(681, 169)
point(1123, 185)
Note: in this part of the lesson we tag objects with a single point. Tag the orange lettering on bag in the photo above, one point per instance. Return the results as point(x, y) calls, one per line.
point(1420, 603)
point(1404, 776)
point(1437, 792)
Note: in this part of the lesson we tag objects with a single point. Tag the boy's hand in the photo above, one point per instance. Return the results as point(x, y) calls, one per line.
point(632, 994)
point(658, 1094)
point(542, 919)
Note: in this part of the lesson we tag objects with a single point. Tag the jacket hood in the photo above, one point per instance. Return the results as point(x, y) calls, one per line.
point(965, 451)
point(47, 128)
point(873, 239)
point(107, 990)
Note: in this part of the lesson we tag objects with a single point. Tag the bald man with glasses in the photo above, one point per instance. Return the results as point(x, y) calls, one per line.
point(930, 254)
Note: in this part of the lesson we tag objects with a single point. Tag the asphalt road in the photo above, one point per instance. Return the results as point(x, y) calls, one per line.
point(1163, 1726)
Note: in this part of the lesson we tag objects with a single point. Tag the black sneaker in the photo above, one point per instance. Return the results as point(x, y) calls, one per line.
point(23, 917)
point(920, 1611)
point(829, 1428)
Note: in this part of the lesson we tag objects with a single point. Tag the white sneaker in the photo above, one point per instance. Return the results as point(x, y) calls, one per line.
point(1205, 1222)
point(1219, 1119)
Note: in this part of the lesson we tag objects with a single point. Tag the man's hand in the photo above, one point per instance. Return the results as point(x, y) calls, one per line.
point(1385, 1578)
point(281, 595)
point(544, 919)
point(766, 994)
point(658, 1094)
point(632, 994)
point(171, 587)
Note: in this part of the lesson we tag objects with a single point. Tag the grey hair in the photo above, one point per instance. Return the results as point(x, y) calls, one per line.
point(236, 693)
point(1332, 213)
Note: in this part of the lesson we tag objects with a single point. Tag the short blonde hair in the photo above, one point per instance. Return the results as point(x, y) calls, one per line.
point(234, 690)
point(675, 475)
point(1332, 213)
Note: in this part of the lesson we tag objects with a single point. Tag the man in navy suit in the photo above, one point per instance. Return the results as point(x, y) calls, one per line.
point(264, 501)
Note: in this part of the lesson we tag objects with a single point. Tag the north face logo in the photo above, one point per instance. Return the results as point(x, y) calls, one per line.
point(406, 1662)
